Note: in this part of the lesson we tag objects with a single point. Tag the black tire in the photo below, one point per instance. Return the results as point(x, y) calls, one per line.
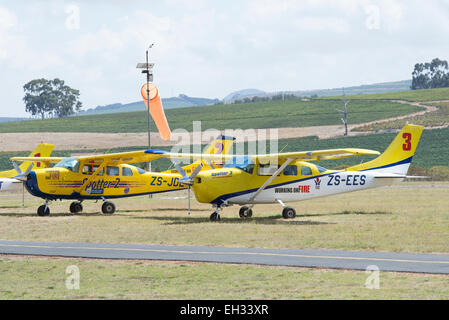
point(245, 212)
point(108, 207)
point(43, 211)
point(289, 213)
point(76, 207)
point(214, 217)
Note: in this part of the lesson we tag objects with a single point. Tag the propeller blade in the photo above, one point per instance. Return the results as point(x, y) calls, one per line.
point(28, 170)
point(188, 180)
point(16, 166)
point(196, 171)
point(180, 170)
point(23, 176)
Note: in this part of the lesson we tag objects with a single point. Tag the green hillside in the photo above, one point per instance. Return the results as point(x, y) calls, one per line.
point(429, 153)
point(410, 95)
point(269, 114)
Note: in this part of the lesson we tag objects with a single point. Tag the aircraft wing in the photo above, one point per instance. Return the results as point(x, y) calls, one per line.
point(112, 158)
point(46, 160)
point(121, 157)
point(317, 155)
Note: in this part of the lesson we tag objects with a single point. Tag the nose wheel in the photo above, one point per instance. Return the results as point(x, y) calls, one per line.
point(215, 216)
point(43, 210)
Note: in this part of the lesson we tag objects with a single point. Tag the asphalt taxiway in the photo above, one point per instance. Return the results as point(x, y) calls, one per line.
point(330, 259)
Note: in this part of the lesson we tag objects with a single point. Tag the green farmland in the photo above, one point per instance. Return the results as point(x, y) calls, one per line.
point(270, 114)
point(431, 149)
point(411, 95)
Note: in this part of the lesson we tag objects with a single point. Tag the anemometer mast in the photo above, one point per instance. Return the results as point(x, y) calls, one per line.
point(147, 68)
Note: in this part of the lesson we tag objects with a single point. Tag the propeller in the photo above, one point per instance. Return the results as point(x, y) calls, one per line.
point(22, 176)
point(188, 180)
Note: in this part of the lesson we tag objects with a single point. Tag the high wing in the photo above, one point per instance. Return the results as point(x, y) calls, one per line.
point(152, 154)
point(317, 155)
point(112, 158)
point(45, 160)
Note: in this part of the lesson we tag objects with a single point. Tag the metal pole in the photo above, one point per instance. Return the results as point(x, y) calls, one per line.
point(148, 99)
point(149, 114)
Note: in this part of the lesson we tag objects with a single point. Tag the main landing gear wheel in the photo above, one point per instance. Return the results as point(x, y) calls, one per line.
point(43, 211)
point(76, 207)
point(215, 216)
point(288, 213)
point(108, 207)
point(245, 212)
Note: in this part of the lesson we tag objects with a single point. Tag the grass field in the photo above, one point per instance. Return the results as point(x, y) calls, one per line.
point(271, 114)
point(410, 217)
point(44, 278)
point(410, 95)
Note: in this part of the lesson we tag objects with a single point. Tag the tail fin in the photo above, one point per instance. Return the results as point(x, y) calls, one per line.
point(398, 156)
point(221, 145)
point(42, 150)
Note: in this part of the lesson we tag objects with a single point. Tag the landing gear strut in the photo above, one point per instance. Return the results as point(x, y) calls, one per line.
point(215, 216)
point(43, 210)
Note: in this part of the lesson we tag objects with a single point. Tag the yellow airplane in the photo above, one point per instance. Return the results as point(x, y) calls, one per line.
point(8, 178)
point(109, 176)
point(287, 177)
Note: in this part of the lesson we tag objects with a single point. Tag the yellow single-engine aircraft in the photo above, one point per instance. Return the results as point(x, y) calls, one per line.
point(9, 178)
point(249, 180)
point(109, 176)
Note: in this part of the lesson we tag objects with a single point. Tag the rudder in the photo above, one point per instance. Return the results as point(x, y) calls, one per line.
point(398, 156)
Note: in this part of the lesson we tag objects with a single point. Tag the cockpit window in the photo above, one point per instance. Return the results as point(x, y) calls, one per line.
point(240, 162)
point(291, 170)
point(306, 171)
point(140, 170)
point(321, 169)
point(69, 163)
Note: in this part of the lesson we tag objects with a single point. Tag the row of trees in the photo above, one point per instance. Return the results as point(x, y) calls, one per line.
point(50, 98)
point(434, 74)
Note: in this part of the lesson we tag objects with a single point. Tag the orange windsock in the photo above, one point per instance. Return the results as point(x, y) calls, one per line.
point(156, 110)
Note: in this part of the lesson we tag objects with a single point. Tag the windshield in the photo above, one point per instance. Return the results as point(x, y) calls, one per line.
point(240, 162)
point(321, 169)
point(69, 163)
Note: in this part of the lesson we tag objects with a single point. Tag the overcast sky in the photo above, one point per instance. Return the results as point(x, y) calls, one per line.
point(211, 48)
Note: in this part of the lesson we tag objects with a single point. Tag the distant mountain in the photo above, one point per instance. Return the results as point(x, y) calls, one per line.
point(383, 87)
point(241, 94)
point(181, 101)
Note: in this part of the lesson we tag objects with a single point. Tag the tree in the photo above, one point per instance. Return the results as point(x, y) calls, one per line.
point(434, 74)
point(50, 98)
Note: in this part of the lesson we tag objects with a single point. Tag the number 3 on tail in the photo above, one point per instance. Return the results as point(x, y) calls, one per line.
point(407, 146)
